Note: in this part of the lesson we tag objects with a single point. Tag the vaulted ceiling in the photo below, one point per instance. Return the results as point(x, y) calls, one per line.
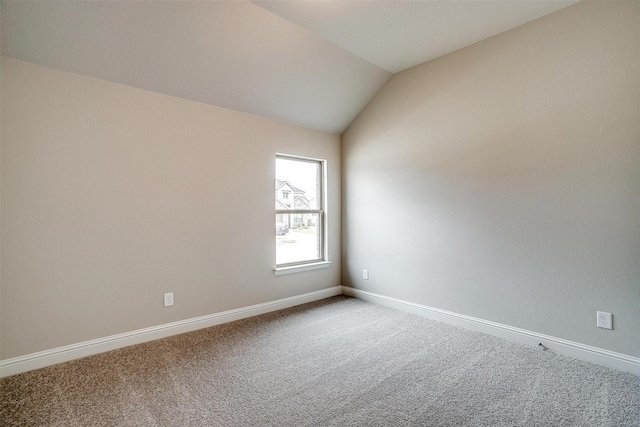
point(310, 63)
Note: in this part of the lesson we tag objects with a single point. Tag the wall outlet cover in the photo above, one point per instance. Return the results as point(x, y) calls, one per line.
point(168, 299)
point(604, 320)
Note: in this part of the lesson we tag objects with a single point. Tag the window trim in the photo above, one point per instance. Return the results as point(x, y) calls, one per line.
point(323, 260)
point(279, 271)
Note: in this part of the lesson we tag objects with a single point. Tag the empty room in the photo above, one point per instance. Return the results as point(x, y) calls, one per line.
point(320, 213)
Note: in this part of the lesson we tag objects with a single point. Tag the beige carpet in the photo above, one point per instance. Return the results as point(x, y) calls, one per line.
point(339, 361)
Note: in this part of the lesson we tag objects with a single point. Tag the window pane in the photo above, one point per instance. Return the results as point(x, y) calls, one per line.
point(297, 184)
point(297, 238)
point(299, 211)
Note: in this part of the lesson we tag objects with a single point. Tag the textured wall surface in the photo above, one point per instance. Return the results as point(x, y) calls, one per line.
point(112, 196)
point(502, 181)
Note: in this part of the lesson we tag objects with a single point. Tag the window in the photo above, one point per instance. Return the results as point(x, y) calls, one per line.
point(300, 212)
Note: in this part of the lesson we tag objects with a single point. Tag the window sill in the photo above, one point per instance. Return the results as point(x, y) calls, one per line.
point(299, 268)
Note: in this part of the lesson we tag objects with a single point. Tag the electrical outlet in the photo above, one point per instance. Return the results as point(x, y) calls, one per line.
point(365, 274)
point(168, 299)
point(604, 320)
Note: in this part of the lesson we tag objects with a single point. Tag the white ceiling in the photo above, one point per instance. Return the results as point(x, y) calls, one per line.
point(310, 63)
point(399, 34)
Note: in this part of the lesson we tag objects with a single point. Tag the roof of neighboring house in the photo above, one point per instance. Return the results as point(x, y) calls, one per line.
point(280, 183)
point(281, 206)
point(301, 202)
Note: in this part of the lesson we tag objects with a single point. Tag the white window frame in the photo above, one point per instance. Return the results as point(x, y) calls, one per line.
point(321, 211)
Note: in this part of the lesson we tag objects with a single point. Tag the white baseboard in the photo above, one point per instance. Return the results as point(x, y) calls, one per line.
point(54, 356)
point(588, 353)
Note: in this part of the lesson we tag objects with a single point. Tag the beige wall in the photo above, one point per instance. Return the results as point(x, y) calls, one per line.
point(112, 196)
point(502, 181)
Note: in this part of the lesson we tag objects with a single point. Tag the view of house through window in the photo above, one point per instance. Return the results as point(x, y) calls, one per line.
point(299, 211)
